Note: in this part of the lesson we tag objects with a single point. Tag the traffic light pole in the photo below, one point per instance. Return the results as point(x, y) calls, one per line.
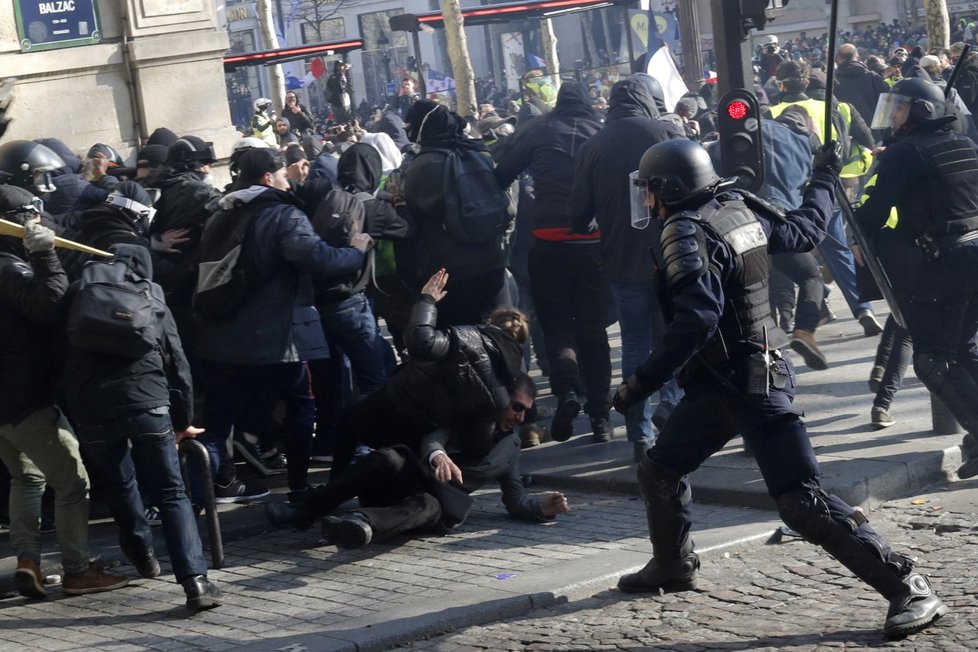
point(733, 52)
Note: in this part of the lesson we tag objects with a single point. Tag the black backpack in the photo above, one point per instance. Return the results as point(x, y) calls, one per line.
point(339, 217)
point(116, 310)
point(476, 208)
point(222, 282)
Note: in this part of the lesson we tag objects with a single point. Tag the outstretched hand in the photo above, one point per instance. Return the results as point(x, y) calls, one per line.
point(435, 287)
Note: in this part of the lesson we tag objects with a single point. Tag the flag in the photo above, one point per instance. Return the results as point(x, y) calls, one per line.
point(438, 82)
point(659, 64)
point(535, 61)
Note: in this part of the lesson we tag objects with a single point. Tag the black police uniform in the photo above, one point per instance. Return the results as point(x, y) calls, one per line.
point(930, 174)
point(715, 268)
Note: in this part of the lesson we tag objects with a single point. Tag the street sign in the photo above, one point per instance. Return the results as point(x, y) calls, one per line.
point(51, 24)
point(391, 89)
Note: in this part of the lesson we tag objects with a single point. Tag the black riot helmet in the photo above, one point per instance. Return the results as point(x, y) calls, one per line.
point(27, 164)
point(189, 153)
point(921, 98)
point(676, 171)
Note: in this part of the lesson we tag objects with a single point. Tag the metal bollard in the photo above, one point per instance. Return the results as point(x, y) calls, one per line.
point(193, 449)
point(943, 421)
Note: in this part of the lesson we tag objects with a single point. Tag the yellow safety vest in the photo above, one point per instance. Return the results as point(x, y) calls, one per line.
point(894, 217)
point(860, 158)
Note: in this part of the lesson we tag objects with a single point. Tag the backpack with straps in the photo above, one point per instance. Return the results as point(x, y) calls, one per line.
point(476, 208)
point(222, 283)
point(116, 310)
point(338, 218)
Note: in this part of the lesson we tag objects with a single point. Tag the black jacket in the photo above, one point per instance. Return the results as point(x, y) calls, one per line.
point(99, 386)
point(601, 185)
point(453, 377)
point(860, 87)
point(101, 228)
point(424, 192)
point(549, 147)
point(283, 255)
point(32, 310)
point(185, 202)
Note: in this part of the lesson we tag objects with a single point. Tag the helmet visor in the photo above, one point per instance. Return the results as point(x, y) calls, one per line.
point(641, 200)
point(892, 111)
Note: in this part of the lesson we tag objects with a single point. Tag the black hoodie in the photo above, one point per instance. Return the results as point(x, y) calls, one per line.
point(601, 186)
point(549, 147)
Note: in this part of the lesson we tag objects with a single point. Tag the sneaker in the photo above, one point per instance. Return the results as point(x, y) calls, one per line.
point(27, 577)
point(876, 377)
point(237, 491)
point(529, 435)
point(347, 532)
point(881, 418)
point(562, 427)
point(201, 593)
point(969, 469)
point(146, 564)
point(803, 343)
point(867, 320)
point(92, 580)
point(249, 448)
point(603, 432)
point(153, 515)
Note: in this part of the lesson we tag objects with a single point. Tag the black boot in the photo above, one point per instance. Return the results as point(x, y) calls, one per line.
point(201, 593)
point(674, 564)
point(562, 427)
point(287, 515)
point(347, 532)
point(913, 609)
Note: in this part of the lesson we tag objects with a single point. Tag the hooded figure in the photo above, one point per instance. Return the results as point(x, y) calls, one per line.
point(391, 124)
point(390, 155)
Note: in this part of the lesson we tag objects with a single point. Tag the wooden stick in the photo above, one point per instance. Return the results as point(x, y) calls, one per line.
point(10, 228)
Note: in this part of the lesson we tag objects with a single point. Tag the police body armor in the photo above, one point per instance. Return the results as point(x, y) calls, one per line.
point(746, 325)
point(947, 205)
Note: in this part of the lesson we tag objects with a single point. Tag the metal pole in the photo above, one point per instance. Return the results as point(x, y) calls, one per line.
point(830, 70)
point(417, 62)
point(191, 448)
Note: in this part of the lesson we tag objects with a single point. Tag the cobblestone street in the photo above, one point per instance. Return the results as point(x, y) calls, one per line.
point(785, 597)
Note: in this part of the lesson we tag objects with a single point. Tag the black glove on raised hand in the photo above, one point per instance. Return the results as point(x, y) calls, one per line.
point(828, 158)
point(628, 394)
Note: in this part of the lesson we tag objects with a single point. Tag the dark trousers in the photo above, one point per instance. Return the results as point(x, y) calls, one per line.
point(470, 300)
point(710, 414)
point(799, 269)
point(143, 444)
point(393, 492)
point(376, 422)
point(893, 354)
point(573, 301)
point(231, 389)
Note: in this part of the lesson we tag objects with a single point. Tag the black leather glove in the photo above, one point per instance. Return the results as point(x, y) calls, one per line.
point(628, 394)
point(828, 158)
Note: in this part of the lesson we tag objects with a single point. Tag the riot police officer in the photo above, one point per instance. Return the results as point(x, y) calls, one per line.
point(929, 172)
point(724, 346)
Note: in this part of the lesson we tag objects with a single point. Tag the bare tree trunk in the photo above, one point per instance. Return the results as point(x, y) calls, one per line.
point(689, 34)
point(550, 50)
point(458, 54)
point(277, 77)
point(938, 24)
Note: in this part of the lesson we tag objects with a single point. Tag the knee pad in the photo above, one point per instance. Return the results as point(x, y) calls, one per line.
point(931, 368)
point(806, 512)
point(658, 483)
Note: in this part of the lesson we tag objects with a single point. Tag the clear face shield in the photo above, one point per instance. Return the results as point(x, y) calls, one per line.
point(892, 111)
point(642, 201)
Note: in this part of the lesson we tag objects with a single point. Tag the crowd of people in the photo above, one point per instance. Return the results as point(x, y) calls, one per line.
point(249, 317)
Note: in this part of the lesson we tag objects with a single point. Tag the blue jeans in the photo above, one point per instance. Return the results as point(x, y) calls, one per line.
point(230, 388)
point(351, 330)
point(153, 456)
point(642, 328)
point(838, 258)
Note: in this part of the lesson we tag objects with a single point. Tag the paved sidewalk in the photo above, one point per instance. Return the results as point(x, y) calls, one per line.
point(284, 590)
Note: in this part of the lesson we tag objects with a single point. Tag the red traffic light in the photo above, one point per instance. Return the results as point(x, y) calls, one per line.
point(738, 110)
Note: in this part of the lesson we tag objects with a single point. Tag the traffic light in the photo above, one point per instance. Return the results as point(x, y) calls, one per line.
point(741, 149)
point(756, 13)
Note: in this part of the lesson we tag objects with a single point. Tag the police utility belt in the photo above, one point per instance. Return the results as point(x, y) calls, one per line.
point(764, 369)
point(931, 245)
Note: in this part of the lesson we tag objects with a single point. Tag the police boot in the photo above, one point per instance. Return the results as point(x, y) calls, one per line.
point(912, 604)
point(970, 453)
point(674, 564)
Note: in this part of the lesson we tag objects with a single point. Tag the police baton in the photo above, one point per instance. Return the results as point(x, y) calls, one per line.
point(957, 69)
point(11, 228)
